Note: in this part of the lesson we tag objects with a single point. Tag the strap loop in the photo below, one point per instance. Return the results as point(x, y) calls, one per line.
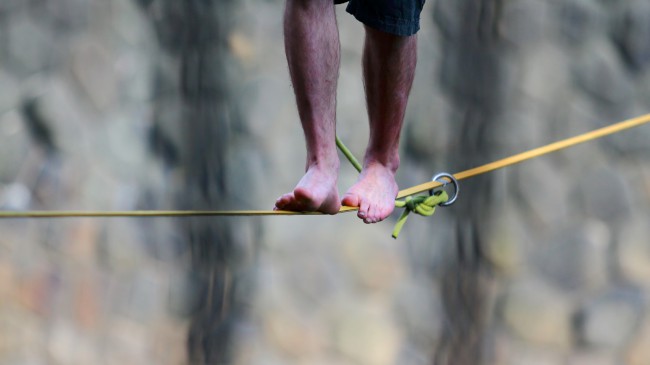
point(421, 204)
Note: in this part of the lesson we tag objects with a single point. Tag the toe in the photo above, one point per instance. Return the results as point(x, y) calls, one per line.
point(283, 201)
point(302, 194)
point(386, 212)
point(371, 216)
point(304, 199)
point(376, 215)
point(351, 200)
point(297, 205)
point(363, 211)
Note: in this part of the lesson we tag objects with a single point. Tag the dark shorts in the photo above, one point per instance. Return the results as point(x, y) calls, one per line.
point(399, 17)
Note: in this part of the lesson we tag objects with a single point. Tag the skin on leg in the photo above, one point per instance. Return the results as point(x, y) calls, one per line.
point(389, 67)
point(313, 54)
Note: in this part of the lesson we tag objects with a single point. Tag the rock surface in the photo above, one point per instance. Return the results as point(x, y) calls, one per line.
point(91, 118)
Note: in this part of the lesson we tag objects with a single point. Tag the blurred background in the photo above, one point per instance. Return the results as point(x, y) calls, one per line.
point(166, 104)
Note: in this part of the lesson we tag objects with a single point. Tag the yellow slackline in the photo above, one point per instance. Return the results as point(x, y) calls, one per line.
point(508, 161)
point(537, 152)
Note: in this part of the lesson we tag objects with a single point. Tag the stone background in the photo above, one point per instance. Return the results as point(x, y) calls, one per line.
point(543, 263)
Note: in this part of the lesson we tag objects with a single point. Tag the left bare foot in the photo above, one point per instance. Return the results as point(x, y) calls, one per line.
point(374, 193)
point(315, 192)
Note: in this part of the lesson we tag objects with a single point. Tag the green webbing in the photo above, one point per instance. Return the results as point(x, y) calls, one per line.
point(422, 204)
point(346, 151)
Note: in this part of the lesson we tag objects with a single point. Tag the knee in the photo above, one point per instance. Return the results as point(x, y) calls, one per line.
point(383, 41)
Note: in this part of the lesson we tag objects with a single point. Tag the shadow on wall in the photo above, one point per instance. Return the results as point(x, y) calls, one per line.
point(471, 75)
point(196, 120)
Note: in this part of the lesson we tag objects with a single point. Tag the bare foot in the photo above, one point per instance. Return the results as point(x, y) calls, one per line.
point(374, 193)
point(315, 192)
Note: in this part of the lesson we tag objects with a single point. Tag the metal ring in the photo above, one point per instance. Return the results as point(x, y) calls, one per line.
point(446, 178)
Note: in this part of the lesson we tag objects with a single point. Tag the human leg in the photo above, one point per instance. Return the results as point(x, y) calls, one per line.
point(389, 67)
point(313, 54)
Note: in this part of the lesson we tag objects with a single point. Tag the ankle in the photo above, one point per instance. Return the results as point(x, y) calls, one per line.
point(390, 161)
point(328, 163)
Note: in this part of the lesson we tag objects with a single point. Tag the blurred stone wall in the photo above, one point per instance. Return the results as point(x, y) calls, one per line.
point(542, 263)
point(74, 111)
point(560, 243)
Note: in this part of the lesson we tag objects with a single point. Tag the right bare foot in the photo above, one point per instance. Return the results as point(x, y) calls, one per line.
point(374, 193)
point(315, 192)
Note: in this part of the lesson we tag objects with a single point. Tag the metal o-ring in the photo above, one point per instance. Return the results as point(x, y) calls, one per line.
point(446, 178)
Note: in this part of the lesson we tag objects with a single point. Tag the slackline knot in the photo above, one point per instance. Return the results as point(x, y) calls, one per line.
point(421, 204)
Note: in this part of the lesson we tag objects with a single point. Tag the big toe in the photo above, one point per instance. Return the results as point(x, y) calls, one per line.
point(304, 199)
point(351, 200)
point(302, 194)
